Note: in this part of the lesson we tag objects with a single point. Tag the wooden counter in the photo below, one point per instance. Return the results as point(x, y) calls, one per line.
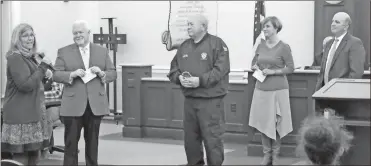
point(352, 100)
point(153, 107)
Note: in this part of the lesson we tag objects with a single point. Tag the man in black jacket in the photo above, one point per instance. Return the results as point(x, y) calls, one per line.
point(201, 67)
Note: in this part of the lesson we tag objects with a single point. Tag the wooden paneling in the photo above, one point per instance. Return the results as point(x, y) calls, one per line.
point(163, 105)
point(153, 107)
point(131, 98)
point(176, 107)
point(359, 11)
point(356, 113)
point(361, 25)
point(234, 109)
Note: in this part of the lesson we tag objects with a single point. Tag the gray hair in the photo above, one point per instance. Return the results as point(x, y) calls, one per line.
point(202, 19)
point(82, 22)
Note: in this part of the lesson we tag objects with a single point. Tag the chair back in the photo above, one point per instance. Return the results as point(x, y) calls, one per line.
point(10, 163)
point(47, 84)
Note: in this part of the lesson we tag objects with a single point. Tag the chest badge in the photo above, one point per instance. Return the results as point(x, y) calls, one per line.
point(204, 56)
point(185, 55)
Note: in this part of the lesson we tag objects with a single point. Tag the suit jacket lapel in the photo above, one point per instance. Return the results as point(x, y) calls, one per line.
point(92, 55)
point(339, 49)
point(79, 57)
point(325, 54)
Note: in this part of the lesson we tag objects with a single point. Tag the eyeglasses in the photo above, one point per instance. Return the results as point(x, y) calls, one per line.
point(27, 36)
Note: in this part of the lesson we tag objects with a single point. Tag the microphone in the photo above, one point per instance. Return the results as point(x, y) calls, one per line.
point(50, 66)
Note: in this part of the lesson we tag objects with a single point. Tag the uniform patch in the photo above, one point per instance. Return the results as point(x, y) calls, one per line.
point(204, 56)
point(185, 55)
point(225, 48)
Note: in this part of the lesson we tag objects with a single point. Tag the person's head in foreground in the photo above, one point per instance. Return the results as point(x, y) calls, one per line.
point(323, 140)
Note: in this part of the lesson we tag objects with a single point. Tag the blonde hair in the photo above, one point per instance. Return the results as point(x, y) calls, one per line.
point(16, 43)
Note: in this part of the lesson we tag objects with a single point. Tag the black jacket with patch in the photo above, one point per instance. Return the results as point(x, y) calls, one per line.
point(208, 60)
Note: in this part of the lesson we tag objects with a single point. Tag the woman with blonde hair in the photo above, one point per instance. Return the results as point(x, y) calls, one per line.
point(323, 141)
point(26, 129)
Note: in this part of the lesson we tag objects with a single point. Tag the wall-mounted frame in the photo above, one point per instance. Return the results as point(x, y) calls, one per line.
point(335, 2)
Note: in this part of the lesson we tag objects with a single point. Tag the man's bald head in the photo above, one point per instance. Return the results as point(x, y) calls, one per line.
point(197, 25)
point(199, 18)
point(340, 23)
point(345, 17)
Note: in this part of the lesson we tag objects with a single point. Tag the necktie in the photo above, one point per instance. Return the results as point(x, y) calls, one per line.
point(85, 57)
point(84, 50)
point(329, 60)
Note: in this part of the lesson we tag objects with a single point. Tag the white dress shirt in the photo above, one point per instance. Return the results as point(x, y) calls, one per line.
point(85, 54)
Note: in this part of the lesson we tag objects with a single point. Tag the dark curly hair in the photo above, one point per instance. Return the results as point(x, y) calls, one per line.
point(323, 140)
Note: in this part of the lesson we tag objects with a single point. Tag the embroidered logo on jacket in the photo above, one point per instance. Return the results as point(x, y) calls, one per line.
point(204, 56)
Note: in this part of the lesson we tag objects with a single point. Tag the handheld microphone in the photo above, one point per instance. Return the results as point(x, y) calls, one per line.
point(50, 66)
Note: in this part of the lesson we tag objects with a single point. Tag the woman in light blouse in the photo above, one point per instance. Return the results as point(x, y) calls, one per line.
point(270, 111)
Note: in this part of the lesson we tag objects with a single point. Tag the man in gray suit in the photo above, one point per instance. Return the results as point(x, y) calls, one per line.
point(83, 103)
point(343, 57)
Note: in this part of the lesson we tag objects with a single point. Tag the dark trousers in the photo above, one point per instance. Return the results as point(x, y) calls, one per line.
point(73, 126)
point(204, 121)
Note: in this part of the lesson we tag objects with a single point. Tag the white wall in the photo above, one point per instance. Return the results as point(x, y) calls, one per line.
point(144, 21)
point(52, 21)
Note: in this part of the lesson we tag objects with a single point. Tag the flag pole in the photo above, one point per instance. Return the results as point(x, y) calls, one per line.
point(258, 35)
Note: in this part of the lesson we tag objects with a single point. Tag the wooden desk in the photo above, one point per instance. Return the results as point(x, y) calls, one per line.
point(351, 100)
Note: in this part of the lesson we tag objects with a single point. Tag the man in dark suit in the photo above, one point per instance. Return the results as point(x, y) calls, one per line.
point(84, 103)
point(344, 56)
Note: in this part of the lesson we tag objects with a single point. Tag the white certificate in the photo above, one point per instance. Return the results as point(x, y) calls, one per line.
point(258, 74)
point(88, 76)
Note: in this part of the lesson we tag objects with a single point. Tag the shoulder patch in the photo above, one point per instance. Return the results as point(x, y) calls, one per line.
point(225, 48)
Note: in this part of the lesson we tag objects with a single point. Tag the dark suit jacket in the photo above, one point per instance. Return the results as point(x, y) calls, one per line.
point(317, 59)
point(76, 95)
point(348, 61)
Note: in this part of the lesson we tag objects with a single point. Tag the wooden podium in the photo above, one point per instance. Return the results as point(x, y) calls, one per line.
point(351, 99)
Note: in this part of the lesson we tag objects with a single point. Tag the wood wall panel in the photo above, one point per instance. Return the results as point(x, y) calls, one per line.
point(359, 11)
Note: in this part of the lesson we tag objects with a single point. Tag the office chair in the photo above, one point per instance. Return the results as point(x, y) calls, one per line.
point(55, 103)
point(55, 125)
point(7, 162)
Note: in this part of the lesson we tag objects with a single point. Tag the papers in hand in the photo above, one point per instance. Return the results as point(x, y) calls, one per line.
point(88, 76)
point(258, 74)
